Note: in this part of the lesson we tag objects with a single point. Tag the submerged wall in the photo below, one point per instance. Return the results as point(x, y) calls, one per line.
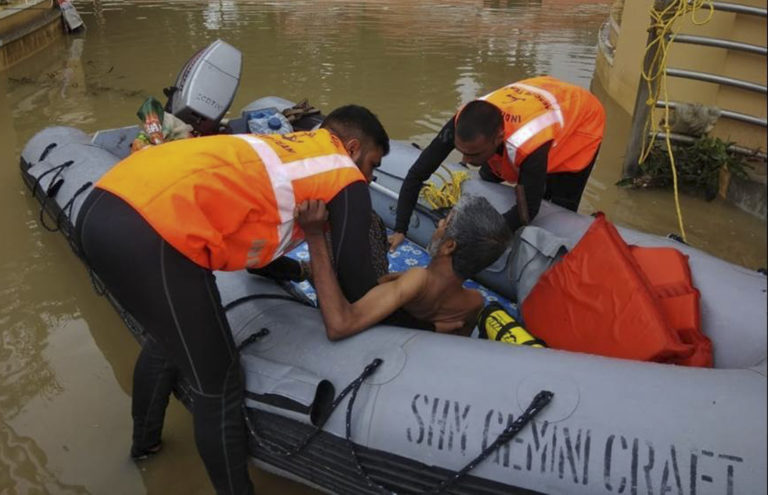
point(623, 39)
point(26, 28)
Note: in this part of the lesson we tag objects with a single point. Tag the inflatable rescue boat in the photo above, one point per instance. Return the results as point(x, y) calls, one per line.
point(395, 410)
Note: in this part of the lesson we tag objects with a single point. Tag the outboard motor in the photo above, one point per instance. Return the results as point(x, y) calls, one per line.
point(205, 87)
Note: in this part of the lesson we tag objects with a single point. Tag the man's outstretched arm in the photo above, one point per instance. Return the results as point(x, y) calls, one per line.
point(342, 318)
point(425, 165)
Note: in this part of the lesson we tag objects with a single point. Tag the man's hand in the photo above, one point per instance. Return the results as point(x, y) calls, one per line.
point(311, 216)
point(395, 240)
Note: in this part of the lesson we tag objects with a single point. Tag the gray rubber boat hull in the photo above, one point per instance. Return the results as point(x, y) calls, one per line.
point(436, 401)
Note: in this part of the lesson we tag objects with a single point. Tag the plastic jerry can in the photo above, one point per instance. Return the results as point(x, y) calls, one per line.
point(267, 121)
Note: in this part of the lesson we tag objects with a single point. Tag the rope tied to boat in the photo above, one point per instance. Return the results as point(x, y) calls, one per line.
point(448, 193)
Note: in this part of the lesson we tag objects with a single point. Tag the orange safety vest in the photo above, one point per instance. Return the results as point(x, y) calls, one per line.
point(545, 109)
point(226, 202)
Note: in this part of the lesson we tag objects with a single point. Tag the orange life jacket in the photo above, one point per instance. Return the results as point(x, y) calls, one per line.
point(670, 277)
point(545, 109)
point(226, 202)
point(598, 300)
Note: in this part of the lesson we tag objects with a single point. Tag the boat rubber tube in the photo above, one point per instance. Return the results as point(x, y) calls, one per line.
point(614, 426)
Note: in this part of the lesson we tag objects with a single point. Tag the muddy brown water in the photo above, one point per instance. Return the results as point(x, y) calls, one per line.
point(65, 357)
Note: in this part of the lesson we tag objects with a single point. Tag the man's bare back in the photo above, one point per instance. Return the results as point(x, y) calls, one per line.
point(434, 293)
point(439, 300)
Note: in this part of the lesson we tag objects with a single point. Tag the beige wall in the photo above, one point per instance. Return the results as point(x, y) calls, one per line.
point(622, 77)
point(27, 30)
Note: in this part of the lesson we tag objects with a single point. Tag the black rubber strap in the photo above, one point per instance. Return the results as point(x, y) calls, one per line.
point(505, 330)
point(537, 404)
point(251, 297)
point(69, 205)
point(46, 151)
point(57, 169)
point(65, 210)
point(277, 449)
point(252, 338)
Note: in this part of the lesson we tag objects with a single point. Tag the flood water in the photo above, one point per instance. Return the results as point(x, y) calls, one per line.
point(65, 357)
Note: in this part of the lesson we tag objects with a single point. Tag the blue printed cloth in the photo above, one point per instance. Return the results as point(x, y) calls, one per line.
point(407, 255)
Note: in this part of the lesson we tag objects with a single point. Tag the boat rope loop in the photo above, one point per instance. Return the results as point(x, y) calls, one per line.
point(64, 213)
point(446, 195)
point(53, 188)
point(57, 169)
point(664, 15)
point(277, 449)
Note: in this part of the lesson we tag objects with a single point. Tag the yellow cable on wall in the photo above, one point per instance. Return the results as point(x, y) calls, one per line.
point(446, 195)
point(664, 14)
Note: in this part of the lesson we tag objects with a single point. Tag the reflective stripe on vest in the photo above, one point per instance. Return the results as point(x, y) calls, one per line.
point(547, 96)
point(282, 176)
point(521, 136)
point(226, 202)
point(544, 109)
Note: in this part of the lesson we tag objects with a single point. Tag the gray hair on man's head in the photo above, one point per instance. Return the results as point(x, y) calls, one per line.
point(480, 232)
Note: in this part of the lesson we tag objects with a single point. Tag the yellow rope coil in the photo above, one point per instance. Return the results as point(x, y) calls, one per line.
point(446, 195)
point(663, 19)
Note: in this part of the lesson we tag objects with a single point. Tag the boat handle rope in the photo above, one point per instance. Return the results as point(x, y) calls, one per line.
point(537, 404)
point(46, 150)
point(252, 338)
point(57, 169)
point(65, 211)
point(279, 450)
point(250, 297)
point(53, 188)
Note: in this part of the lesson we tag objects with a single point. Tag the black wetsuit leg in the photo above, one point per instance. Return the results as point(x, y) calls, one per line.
point(350, 215)
point(178, 304)
point(566, 189)
point(153, 376)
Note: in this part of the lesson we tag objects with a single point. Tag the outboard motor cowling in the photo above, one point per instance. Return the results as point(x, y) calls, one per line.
point(206, 87)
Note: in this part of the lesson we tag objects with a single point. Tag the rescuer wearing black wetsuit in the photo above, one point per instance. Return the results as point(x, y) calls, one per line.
point(541, 133)
point(533, 177)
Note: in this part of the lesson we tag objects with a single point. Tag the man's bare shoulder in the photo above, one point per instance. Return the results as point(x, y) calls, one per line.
point(416, 276)
point(475, 299)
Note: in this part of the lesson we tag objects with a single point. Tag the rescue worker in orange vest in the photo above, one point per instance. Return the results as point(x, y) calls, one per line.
point(541, 133)
point(159, 223)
